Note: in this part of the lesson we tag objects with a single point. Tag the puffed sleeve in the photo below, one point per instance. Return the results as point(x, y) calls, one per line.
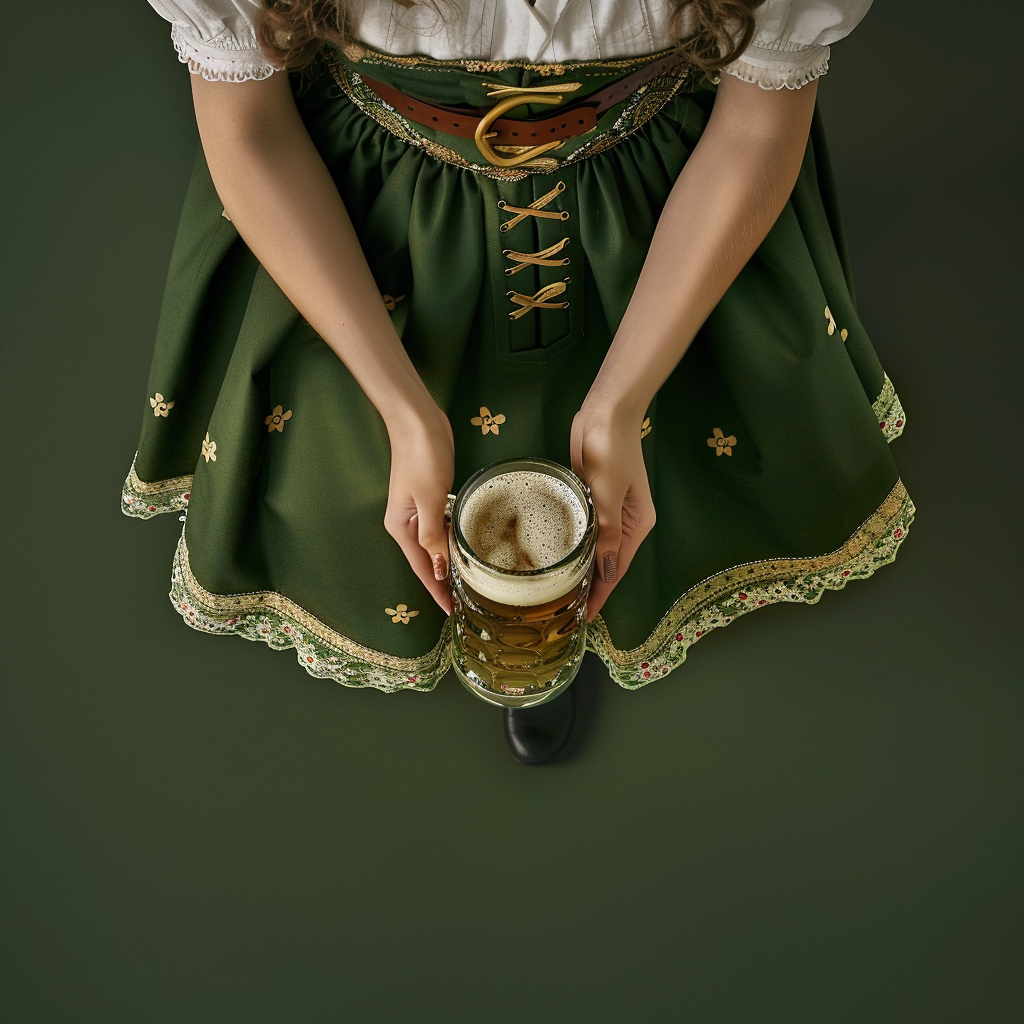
point(215, 38)
point(790, 44)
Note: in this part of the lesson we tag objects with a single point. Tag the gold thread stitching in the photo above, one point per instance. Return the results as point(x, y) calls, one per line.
point(360, 53)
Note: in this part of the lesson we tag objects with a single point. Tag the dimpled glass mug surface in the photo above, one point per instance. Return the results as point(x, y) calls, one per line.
point(522, 541)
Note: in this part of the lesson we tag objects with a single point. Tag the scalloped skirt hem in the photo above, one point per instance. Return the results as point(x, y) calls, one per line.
point(719, 600)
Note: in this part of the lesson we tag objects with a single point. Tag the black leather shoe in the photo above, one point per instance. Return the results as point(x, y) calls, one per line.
point(536, 734)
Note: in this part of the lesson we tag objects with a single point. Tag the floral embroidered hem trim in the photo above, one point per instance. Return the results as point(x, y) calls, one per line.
point(726, 596)
point(280, 623)
point(143, 500)
point(326, 654)
point(889, 412)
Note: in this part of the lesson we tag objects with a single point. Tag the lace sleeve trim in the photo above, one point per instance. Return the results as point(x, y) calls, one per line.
point(764, 65)
point(223, 61)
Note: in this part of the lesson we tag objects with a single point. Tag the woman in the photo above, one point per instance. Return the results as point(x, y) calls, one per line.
point(460, 233)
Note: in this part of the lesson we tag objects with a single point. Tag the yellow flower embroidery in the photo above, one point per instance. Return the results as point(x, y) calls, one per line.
point(390, 301)
point(159, 406)
point(209, 449)
point(275, 421)
point(645, 427)
point(844, 333)
point(401, 613)
point(723, 445)
point(831, 322)
point(487, 423)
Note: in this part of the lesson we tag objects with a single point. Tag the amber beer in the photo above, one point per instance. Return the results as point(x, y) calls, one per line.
point(522, 552)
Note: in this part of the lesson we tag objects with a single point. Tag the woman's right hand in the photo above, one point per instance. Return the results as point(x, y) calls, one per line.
point(422, 473)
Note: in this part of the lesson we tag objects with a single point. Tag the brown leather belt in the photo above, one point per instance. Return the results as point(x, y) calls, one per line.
point(572, 121)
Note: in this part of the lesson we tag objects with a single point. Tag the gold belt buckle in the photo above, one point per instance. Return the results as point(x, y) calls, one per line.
point(483, 133)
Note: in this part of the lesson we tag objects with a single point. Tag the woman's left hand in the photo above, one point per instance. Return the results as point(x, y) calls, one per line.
point(606, 453)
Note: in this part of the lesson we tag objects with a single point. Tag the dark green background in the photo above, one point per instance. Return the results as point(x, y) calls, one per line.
point(816, 819)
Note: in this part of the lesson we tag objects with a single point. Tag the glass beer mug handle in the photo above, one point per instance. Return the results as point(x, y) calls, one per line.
point(448, 506)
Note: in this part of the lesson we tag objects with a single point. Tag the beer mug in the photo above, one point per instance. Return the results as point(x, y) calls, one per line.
point(522, 541)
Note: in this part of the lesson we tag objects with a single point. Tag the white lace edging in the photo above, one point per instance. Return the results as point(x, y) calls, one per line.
point(888, 410)
point(280, 623)
point(774, 76)
point(215, 62)
point(727, 595)
point(143, 499)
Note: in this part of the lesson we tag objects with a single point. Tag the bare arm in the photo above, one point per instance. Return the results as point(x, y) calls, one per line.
point(728, 195)
point(279, 195)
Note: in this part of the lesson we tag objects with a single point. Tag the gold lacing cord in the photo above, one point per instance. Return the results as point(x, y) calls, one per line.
point(539, 300)
point(540, 259)
point(535, 209)
point(497, 89)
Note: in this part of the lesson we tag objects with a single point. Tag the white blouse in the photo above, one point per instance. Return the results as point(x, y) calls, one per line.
point(789, 48)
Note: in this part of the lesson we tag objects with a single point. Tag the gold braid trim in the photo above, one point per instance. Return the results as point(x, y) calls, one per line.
point(360, 54)
point(727, 595)
point(641, 106)
point(143, 499)
point(280, 623)
point(326, 654)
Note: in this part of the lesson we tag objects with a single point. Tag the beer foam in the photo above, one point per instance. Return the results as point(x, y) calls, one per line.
point(519, 522)
point(522, 521)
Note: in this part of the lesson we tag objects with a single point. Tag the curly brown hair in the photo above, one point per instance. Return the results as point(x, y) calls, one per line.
point(711, 33)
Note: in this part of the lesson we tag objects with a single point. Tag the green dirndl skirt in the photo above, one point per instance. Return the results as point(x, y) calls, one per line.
point(767, 448)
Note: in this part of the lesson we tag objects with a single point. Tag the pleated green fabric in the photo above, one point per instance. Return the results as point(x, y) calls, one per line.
point(766, 449)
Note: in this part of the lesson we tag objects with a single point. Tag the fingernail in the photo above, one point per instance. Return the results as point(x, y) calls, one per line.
point(440, 567)
point(609, 568)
